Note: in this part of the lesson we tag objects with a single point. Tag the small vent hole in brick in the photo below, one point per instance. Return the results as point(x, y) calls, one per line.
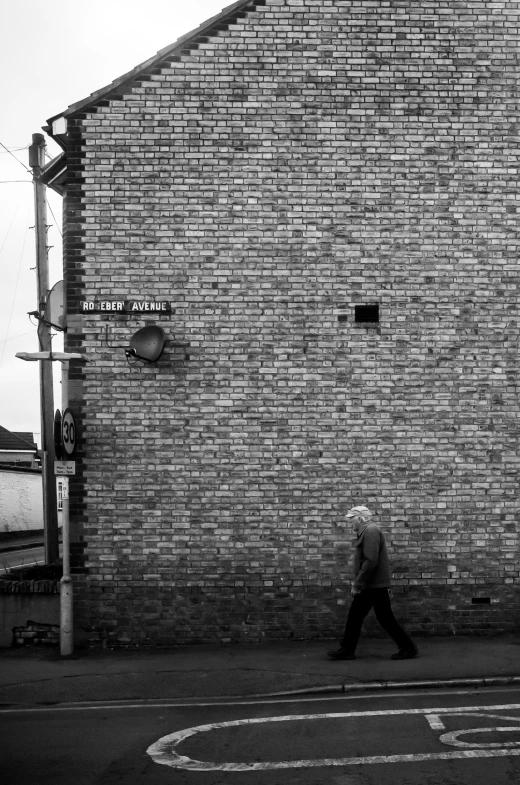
point(366, 314)
point(481, 600)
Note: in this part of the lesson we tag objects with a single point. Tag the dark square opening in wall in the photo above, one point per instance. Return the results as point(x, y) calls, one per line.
point(368, 314)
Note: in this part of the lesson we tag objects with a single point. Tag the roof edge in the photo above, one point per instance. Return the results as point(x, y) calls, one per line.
point(5, 467)
point(21, 449)
point(181, 43)
point(54, 172)
point(23, 444)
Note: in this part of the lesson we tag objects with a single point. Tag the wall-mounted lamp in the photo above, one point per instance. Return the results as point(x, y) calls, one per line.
point(146, 345)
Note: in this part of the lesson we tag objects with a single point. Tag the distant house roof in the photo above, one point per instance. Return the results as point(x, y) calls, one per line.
point(183, 46)
point(26, 436)
point(5, 467)
point(21, 441)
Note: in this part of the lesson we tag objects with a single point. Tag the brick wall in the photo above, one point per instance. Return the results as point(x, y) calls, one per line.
point(311, 156)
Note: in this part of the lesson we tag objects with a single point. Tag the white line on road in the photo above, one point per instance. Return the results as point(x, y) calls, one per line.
point(166, 758)
point(146, 703)
point(436, 723)
point(163, 751)
point(453, 738)
point(25, 564)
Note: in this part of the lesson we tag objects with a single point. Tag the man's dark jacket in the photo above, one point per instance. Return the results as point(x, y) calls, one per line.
point(371, 567)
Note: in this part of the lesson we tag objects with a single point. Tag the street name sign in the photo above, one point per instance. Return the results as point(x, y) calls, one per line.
point(124, 306)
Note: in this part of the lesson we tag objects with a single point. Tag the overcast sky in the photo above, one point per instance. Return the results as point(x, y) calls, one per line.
point(52, 54)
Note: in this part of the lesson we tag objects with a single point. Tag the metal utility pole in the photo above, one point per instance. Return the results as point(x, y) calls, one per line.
point(50, 504)
point(66, 586)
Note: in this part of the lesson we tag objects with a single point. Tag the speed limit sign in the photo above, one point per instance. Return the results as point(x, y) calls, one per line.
point(68, 429)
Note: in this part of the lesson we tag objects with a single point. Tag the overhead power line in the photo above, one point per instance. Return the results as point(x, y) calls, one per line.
point(15, 158)
point(10, 225)
point(14, 149)
point(55, 221)
point(21, 335)
point(15, 289)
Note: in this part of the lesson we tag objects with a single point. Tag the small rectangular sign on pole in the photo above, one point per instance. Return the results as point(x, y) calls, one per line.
point(65, 468)
point(64, 488)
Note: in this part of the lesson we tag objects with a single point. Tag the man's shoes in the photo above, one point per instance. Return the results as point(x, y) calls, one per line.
point(406, 654)
point(341, 654)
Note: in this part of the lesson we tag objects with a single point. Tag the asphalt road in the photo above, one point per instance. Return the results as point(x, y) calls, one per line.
point(434, 737)
point(22, 558)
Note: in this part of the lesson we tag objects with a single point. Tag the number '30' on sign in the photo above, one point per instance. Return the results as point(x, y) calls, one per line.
point(68, 430)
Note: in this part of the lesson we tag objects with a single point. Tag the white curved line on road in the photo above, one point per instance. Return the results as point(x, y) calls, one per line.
point(453, 738)
point(436, 723)
point(163, 751)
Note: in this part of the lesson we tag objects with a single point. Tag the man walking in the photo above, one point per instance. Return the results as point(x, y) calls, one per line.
point(370, 590)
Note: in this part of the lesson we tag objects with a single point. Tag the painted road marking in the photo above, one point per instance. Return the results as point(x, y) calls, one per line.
point(453, 738)
point(165, 703)
point(164, 752)
point(436, 723)
point(25, 564)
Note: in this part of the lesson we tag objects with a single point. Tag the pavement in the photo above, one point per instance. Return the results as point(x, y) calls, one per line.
point(34, 675)
point(38, 674)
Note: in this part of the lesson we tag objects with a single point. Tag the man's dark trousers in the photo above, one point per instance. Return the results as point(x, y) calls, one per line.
point(361, 604)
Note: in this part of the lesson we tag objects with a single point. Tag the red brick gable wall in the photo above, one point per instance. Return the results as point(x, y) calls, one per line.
point(311, 157)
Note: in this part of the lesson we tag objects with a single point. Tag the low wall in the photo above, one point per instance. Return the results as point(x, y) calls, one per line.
point(34, 615)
